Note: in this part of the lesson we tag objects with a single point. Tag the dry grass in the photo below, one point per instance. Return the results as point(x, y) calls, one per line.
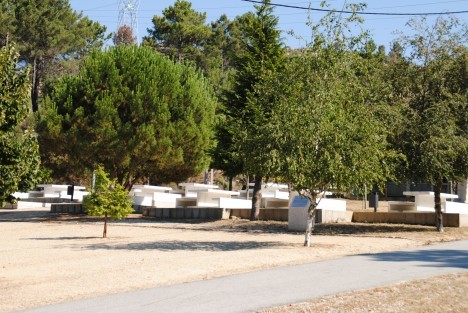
point(55, 258)
point(446, 293)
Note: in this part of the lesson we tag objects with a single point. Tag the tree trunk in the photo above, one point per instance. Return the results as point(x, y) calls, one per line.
point(230, 183)
point(310, 220)
point(104, 234)
point(438, 207)
point(36, 83)
point(256, 198)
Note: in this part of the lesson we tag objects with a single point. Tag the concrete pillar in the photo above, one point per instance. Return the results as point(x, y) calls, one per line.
point(462, 191)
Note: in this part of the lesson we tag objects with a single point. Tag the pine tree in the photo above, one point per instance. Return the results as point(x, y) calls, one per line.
point(46, 33)
point(132, 110)
point(261, 55)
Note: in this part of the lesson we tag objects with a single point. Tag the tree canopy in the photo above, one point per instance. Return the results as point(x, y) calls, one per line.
point(260, 55)
point(47, 32)
point(132, 110)
point(323, 129)
point(19, 150)
point(434, 69)
point(180, 33)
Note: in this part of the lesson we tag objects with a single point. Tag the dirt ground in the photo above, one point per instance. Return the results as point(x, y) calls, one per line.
point(47, 258)
point(446, 293)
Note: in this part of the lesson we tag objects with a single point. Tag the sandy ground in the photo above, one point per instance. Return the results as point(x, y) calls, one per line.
point(47, 258)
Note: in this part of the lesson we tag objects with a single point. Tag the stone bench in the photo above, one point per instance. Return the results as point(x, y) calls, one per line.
point(234, 203)
point(192, 212)
point(70, 208)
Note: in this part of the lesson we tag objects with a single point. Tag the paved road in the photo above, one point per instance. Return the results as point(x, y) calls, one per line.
point(252, 291)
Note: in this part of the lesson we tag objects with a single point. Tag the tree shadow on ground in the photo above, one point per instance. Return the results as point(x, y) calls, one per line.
point(175, 245)
point(63, 238)
point(233, 225)
point(26, 216)
point(360, 228)
point(436, 258)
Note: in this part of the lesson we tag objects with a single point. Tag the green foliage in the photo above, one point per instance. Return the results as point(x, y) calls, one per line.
point(47, 32)
point(219, 52)
point(180, 33)
point(338, 32)
point(132, 110)
point(260, 55)
point(319, 120)
point(323, 132)
point(435, 139)
point(19, 150)
point(108, 199)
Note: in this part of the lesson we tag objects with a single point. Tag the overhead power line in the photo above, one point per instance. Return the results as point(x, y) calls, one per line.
point(357, 12)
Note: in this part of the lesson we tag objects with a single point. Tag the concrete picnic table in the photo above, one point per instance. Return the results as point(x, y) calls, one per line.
point(157, 196)
point(149, 189)
point(54, 190)
point(424, 200)
point(191, 189)
point(210, 197)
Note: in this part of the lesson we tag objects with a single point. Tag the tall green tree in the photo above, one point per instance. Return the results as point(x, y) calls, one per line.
point(47, 32)
point(180, 33)
point(219, 51)
point(132, 110)
point(260, 56)
point(324, 130)
point(222, 48)
point(19, 150)
point(322, 133)
point(6, 20)
point(435, 139)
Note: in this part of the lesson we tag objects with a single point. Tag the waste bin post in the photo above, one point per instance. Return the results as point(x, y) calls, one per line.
point(70, 191)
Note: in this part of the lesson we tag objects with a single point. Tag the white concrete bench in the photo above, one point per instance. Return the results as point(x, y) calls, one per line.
point(424, 200)
point(210, 197)
point(332, 204)
point(277, 194)
point(234, 203)
point(143, 200)
point(156, 199)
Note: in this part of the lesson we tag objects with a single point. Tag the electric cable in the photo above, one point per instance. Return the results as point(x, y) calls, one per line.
point(357, 12)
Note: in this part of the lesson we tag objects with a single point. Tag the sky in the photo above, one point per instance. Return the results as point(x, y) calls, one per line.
point(382, 28)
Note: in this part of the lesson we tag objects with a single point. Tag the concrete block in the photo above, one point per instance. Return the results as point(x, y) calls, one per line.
point(158, 212)
point(188, 213)
point(213, 213)
point(166, 212)
point(451, 219)
point(179, 213)
point(203, 213)
point(410, 218)
point(463, 220)
point(274, 214)
point(226, 213)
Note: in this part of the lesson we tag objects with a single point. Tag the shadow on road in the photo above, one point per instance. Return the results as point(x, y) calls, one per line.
point(436, 258)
